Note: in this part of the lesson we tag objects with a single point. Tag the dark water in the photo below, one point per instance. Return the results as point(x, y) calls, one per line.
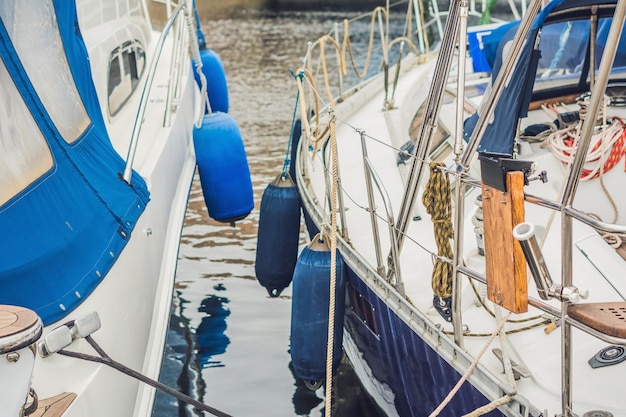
point(228, 343)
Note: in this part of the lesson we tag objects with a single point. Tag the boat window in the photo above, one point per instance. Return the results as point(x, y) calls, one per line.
point(125, 68)
point(25, 151)
point(47, 68)
point(564, 47)
point(619, 64)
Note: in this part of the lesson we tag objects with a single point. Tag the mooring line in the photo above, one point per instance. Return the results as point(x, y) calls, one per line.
point(107, 360)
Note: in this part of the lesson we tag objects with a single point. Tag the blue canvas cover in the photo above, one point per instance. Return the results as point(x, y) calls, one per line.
point(483, 45)
point(513, 104)
point(62, 233)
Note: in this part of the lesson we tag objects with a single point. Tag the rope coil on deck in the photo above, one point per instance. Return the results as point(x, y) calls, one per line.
point(607, 150)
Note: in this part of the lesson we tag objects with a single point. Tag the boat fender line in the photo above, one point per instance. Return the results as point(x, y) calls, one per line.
point(208, 63)
point(436, 200)
point(310, 311)
point(71, 331)
point(278, 235)
point(295, 133)
point(217, 85)
point(279, 221)
point(336, 282)
point(223, 168)
point(199, 34)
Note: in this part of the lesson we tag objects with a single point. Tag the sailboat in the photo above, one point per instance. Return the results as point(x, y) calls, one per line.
point(101, 120)
point(473, 192)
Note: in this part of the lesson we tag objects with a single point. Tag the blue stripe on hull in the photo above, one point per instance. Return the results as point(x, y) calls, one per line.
point(400, 359)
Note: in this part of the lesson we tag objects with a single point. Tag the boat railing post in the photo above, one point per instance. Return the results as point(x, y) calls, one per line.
point(372, 207)
point(394, 265)
point(384, 41)
point(457, 320)
point(592, 50)
point(429, 125)
point(174, 81)
point(419, 27)
point(597, 96)
point(342, 211)
point(437, 18)
point(566, 328)
point(146, 14)
point(610, 49)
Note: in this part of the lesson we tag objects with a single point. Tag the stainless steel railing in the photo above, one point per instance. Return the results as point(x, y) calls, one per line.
point(173, 93)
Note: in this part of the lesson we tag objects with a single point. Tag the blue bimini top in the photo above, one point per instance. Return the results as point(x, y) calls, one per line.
point(560, 57)
point(65, 211)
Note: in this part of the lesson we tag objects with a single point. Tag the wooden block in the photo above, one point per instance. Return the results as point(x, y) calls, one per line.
point(505, 264)
point(608, 318)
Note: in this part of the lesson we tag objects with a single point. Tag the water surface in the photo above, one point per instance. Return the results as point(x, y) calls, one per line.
point(228, 343)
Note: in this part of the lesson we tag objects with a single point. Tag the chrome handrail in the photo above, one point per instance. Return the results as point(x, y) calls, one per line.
point(134, 141)
point(395, 263)
point(341, 208)
point(576, 214)
point(173, 91)
point(550, 310)
point(372, 207)
point(428, 126)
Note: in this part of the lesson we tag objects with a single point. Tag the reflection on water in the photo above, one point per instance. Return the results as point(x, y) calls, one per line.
point(228, 343)
point(211, 333)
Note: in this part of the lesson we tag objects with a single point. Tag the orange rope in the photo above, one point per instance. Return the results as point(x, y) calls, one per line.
point(617, 152)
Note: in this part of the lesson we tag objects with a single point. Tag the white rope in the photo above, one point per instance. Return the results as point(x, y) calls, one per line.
point(333, 272)
point(508, 370)
point(504, 346)
point(489, 407)
point(470, 368)
point(598, 149)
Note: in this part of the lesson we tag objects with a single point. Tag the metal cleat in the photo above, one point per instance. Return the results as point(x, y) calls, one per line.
point(519, 371)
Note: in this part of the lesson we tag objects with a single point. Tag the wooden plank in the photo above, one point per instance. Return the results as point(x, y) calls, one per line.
point(608, 318)
point(505, 264)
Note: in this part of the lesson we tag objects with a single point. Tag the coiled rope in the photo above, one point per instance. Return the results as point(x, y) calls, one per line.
point(436, 200)
point(607, 150)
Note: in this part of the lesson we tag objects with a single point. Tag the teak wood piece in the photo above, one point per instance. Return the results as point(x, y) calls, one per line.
point(607, 318)
point(14, 320)
point(504, 260)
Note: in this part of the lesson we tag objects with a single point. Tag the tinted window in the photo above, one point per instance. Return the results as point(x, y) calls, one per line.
point(125, 68)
